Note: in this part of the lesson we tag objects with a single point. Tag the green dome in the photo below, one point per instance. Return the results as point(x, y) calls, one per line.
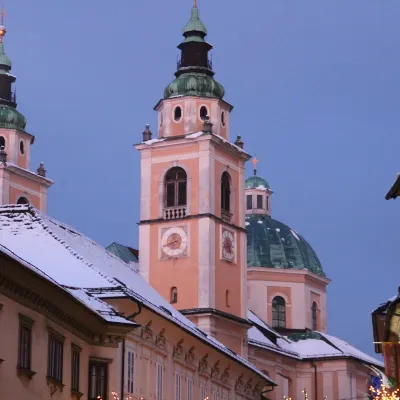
point(194, 84)
point(255, 182)
point(10, 118)
point(195, 24)
point(272, 244)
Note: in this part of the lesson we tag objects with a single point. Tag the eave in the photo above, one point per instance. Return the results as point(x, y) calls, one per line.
point(394, 191)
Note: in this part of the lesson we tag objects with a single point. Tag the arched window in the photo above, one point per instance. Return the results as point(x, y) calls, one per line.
point(227, 298)
point(175, 187)
point(22, 200)
point(2, 142)
point(278, 312)
point(174, 295)
point(226, 192)
point(314, 316)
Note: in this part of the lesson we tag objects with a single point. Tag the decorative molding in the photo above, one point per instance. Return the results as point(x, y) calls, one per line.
point(190, 356)
point(27, 373)
point(216, 371)
point(101, 360)
point(225, 375)
point(147, 332)
point(239, 384)
point(160, 339)
point(178, 350)
point(54, 385)
point(203, 366)
point(43, 305)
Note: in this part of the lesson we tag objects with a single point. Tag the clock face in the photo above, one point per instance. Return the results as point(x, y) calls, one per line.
point(228, 245)
point(174, 242)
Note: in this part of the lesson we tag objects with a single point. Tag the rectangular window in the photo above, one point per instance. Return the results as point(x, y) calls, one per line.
point(25, 343)
point(177, 387)
point(75, 367)
point(159, 388)
point(98, 380)
point(189, 389)
point(130, 370)
point(259, 201)
point(249, 201)
point(285, 387)
point(170, 194)
point(55, 356)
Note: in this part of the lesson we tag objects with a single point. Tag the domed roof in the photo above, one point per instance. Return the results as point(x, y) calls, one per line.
point(272, 244)
point(10, 118)
point(194, 84)
point(255, 182)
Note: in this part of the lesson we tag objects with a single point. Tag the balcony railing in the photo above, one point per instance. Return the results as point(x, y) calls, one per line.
point(175, 212)
point(226, 215)
point(179, 64)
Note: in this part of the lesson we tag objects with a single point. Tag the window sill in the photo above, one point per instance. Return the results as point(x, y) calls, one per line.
point(57, 385)
point(27, 373)
point(77, 394)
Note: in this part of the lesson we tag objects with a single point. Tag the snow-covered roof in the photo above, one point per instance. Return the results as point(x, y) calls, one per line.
point(86, 269)
point(318, 345)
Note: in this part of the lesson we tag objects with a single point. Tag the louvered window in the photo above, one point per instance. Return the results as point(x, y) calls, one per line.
point(175, 187)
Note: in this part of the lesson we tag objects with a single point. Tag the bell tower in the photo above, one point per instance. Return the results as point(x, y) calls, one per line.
point(192, 237)
point(18, 185)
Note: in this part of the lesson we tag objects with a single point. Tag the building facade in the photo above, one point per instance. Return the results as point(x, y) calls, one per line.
point(220, 302)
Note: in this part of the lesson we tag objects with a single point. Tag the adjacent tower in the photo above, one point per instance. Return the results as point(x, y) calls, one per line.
point(17, 183)
point(192, 238)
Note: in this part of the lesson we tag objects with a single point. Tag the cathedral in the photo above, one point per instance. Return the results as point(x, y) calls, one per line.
point(220, 301)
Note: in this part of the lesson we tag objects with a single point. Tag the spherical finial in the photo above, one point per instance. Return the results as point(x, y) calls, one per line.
point(3, 29)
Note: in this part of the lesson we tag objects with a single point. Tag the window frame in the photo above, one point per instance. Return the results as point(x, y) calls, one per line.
point(260, 205)
point(226, 192)
point(174, 295)
point(249, 201)
point(55, 356)
point(75, 367)
point(178, 386)
point(176, 183)
point(278, 315)
point(130, 371)
point(98, 365)
point(159, 381)
point(314, 316)
point(25, 355)
point(189, 388)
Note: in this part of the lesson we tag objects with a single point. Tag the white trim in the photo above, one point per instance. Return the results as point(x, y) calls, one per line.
point(145, 189)
point(24, 189)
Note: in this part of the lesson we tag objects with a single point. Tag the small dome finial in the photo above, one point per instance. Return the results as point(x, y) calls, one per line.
point(255, 162)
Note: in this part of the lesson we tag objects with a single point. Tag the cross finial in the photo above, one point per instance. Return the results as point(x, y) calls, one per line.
point(255, 162)
point(194, 3)
point(2, 15)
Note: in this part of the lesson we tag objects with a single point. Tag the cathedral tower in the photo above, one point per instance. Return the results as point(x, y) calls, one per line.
point(192, 238)
point(17, 183)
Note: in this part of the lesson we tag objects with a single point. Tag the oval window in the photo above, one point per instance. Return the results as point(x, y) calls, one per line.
point(203, 112)
point(177, 113)
point(223, 118)
point(2, 142)
point(22, 147)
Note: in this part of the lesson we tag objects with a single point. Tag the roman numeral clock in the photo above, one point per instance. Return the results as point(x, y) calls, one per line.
point(174, 242)
point(228, 245)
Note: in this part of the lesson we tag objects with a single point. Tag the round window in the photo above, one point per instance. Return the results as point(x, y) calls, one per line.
point(203, 112)
point(22, 147)
point(223, 118)
point(2, 142)
point(177, 113)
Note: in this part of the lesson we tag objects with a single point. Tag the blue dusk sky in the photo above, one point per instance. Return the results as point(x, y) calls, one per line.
point(316, 89)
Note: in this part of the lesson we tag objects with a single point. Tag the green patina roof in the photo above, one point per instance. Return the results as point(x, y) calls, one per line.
point(4, 60)
point(272, 244)
point(10, 118)
point(194, 84)
point(195, 24)
point(256, 181)
point(123, 252)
